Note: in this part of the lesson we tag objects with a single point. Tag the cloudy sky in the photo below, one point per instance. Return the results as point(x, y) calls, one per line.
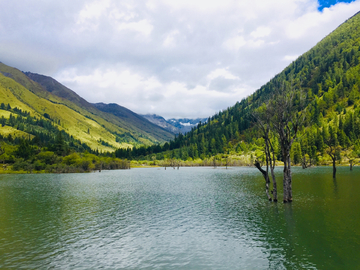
point(175, 58)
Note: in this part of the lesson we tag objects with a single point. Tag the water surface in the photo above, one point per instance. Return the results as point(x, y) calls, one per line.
point(192, 218)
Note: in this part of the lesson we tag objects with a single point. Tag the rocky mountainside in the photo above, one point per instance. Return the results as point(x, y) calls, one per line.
point(186, 124)
point(174, 125)
point(161, 122)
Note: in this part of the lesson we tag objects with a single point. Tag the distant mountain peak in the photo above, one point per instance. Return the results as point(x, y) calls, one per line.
point(174, 125)
point(161, 122)
point(186, 124)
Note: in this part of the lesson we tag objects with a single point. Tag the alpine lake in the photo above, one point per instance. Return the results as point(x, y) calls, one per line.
point(191, 218)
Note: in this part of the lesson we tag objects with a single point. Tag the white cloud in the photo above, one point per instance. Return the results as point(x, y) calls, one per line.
point(170, 40)
point(235, 43)
point(199, 5)
point(118, 15)
point(114, 79)
point(261, 31)
point(89, 15)
point(290, 57)
point(313, 22)
point(93, 10)
point(221, 72)
point(179, 58)
point(144, 27)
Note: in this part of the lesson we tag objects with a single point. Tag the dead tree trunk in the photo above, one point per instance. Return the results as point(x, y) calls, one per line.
point(266, 177)
point(304, 162)
point(214, 163)
point(284, 117)
point(287, 179)
point(303, 165)
point(263, 122)
point(287, 174)
point(332, 154)
point(333, 157)
point(287, 118)
point(272, 161)
point(274, 191)
point(334, 147)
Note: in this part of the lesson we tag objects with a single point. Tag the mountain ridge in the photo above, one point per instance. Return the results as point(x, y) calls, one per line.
point(47, 97)
point(162, 122)
point(175, 125)
point(122, 118)
point(186, 124)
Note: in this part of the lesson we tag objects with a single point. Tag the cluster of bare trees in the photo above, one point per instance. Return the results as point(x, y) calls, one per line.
point(280, 117)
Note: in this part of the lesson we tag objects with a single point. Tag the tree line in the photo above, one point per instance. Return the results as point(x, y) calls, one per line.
point(47, 148)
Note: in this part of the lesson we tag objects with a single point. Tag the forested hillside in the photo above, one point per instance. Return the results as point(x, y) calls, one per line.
point(100, 130)
point(138, 130)
point(50, 119)
point(325, 80)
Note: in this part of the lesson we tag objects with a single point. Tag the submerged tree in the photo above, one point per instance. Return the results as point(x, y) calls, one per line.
point(333, 147)
point(262, 119)
point(283, 115)
point(351, 159)
point(287, 111)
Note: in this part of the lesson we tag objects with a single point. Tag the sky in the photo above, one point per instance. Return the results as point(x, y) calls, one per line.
point(174, 58)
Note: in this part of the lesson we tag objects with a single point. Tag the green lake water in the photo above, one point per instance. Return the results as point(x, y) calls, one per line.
point(192, 218)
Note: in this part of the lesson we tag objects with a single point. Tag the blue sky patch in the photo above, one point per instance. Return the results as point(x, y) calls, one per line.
point(327, 3)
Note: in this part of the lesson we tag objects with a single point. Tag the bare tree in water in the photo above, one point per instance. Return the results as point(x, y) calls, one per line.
point(284, 115)
point(333, 146)
point(263, 122)
point(288, 116)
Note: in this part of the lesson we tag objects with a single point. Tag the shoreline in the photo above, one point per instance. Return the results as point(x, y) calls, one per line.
point(4, 172)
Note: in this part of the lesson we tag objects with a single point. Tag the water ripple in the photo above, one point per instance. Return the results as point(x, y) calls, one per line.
point(194, 218)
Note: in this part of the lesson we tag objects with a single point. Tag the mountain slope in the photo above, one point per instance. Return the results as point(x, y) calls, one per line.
point(123, 118)
point(74, 123)
point(329, 76)
point(83, 121)
point(176, 126)
point(161, 122)
point(137, 120)
point(57, 89)
point(186, 124)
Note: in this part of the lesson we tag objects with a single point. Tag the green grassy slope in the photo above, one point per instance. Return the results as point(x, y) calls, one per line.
point(100, 130)
point(71, 121)
point(127, 119)
point(135, 119)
